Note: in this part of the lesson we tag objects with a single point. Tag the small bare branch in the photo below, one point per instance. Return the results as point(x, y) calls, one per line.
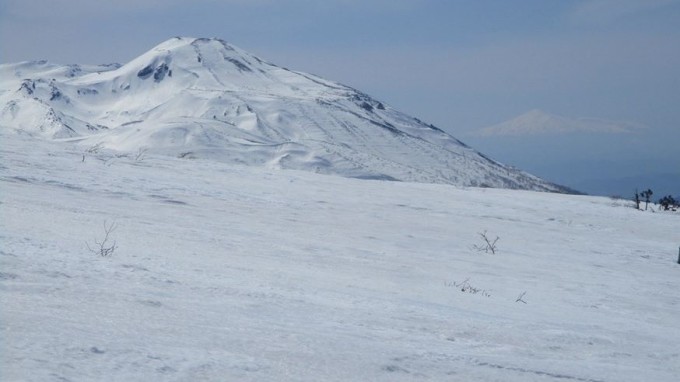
point(520, 298)
point(488, 245)
point(104, 248)
point(140, 154)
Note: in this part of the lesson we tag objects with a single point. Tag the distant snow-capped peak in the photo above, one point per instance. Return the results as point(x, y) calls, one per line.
point(538, 122)
point(205, 98)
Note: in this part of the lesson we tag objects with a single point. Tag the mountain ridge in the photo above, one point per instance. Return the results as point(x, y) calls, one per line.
point(197, 97)
point(539, 122)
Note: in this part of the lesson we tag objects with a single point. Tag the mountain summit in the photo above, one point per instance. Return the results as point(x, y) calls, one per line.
point(205, 98)
point(538, 122)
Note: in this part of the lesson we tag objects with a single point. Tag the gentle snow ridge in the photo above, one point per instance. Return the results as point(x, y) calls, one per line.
point(205, 98)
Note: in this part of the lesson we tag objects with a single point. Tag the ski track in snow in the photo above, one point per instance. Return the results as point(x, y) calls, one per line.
point(226, 272)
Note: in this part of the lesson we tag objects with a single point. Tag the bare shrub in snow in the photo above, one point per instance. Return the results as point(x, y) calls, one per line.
point(140, 154)
point(466, 287)
point(95, 148)
point(520, 298)
point(104, 247)
point(488, 244)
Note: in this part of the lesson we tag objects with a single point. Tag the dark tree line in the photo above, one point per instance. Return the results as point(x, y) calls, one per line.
point(667, 202)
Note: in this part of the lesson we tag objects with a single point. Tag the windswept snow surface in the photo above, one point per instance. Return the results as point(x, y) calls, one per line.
point(234, 273)
point(204, 98)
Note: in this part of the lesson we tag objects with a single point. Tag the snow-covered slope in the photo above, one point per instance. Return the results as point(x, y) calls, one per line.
point(232, 273)
point(204, 98)
point(538, 122)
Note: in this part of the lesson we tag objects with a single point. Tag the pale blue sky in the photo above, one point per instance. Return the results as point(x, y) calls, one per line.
point(461, 65)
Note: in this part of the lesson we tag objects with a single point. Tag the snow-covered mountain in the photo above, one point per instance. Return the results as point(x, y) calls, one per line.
point(204, 98)
point(538, 122)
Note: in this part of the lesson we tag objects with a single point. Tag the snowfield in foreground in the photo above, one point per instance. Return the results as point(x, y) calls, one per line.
point(227, 273)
